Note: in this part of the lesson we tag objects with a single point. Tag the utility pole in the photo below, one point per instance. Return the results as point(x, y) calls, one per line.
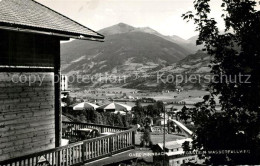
point(168, 121)
point(164, 110)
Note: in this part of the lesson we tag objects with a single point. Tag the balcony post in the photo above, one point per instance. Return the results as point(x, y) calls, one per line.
point(111, 145)
point(57, 104)
point(83, 149)
point(133, 138)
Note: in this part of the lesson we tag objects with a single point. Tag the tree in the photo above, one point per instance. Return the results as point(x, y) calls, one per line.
point(236, 66)
point(186, 146)
point(108, 118)
point(138, 103)
point(91, 115)
point(153, 111)
point(139, 114)
point(184, 114)
point(118, 121)
point(146, 137)
point(127, 119)
point(69, 100)
point(82, 118)
point(159, 106)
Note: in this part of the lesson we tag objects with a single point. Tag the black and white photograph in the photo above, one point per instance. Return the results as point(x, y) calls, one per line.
point(129, 82)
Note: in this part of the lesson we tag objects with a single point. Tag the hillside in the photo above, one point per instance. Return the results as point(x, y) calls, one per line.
point(73, 50)
point(138, 54)
point(123, 46)
point(189, 45)
point(194, 64)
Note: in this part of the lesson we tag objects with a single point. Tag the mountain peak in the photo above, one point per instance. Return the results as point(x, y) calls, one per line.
point(148, 30)
point(117, 29)
point(125, 28)
point(121, 24)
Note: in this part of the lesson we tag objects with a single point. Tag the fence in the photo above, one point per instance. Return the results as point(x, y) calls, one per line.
point(82, 151)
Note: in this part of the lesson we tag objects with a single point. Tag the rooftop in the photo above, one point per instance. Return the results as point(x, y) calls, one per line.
point(29, 15)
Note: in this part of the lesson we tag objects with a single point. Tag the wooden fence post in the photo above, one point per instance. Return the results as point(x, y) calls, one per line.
point(133, 138)
point(83, 149)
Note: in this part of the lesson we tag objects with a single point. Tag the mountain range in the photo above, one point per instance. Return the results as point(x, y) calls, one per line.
point(129, 51)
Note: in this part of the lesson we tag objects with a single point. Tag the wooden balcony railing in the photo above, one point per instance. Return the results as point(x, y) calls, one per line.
point(70, 129)
point(82, 151)
point(101, 128)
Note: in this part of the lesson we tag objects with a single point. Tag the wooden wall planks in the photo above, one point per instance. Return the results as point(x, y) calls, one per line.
point(27, 119)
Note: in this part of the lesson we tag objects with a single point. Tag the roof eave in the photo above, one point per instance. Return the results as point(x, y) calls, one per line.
point(28, 29)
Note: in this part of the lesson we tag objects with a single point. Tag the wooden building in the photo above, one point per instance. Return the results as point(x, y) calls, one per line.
point(30, 35)
point(172, 154)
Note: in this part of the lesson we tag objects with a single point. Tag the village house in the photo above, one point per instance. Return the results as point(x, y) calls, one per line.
point(30, 108)
point(174, 153)
point(31, 86)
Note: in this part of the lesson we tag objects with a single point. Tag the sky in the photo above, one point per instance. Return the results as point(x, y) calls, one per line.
point(163, 16)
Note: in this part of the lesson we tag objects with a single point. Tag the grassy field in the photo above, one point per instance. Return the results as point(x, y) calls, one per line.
point(106, 95)
point(118, 92)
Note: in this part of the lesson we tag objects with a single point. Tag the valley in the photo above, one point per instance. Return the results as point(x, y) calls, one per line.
point(134, 58)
